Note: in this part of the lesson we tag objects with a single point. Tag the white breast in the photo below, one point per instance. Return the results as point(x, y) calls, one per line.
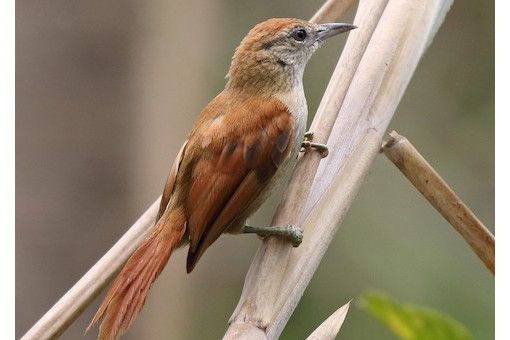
point(295, 102)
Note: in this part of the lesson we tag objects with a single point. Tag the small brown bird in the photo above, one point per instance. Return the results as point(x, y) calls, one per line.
point(240, 146)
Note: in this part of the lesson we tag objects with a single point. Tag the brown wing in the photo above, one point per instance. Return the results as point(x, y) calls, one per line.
point(170, 182)
point(240, 150)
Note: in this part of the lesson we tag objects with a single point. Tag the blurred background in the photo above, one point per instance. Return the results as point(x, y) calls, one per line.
point(106, 92)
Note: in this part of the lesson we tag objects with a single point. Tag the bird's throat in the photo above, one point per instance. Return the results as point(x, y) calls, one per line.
point(264, 76)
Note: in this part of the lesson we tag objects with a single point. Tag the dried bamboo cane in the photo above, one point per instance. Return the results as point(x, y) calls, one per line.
point(424, 178)
point(371, 76)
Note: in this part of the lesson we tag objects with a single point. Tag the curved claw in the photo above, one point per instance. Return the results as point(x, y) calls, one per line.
point(309, 136)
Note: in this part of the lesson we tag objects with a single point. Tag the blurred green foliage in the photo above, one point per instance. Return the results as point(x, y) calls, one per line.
point(410, 322)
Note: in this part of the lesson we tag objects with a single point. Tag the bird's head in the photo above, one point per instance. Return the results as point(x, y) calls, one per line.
point(275, 52)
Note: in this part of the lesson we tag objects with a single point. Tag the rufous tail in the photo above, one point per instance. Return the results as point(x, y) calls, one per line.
point(129, 290)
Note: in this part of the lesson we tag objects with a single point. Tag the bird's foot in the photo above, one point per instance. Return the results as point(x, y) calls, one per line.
point(307, 144)
point(289, 231)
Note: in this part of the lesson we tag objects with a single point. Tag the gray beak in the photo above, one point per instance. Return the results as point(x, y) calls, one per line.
point(328, 30)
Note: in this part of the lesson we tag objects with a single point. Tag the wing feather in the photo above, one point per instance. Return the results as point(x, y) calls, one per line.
point(237, 153)
point(170, 182)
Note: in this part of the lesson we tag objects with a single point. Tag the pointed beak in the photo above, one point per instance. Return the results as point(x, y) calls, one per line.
point(328, 30)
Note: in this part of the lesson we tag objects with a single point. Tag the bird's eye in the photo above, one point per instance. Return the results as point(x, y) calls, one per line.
point(299, 34)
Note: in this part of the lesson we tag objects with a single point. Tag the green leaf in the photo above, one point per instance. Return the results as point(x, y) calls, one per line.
point(411, 322)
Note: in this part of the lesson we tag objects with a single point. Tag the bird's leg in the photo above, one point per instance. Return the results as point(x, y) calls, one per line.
point(308, 144)
point(289, 231)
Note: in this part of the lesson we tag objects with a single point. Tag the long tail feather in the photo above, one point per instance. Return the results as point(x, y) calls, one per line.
point(129, 290)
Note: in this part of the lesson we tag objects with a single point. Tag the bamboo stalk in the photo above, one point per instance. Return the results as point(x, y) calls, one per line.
point(331, 10)
point(428, 182)
point(371, 76)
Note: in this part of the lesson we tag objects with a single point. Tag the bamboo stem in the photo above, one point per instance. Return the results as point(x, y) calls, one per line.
point(331, 10)
point(424, 178)
point(378, 61)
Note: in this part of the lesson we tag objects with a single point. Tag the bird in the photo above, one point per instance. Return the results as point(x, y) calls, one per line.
point(240, 147)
